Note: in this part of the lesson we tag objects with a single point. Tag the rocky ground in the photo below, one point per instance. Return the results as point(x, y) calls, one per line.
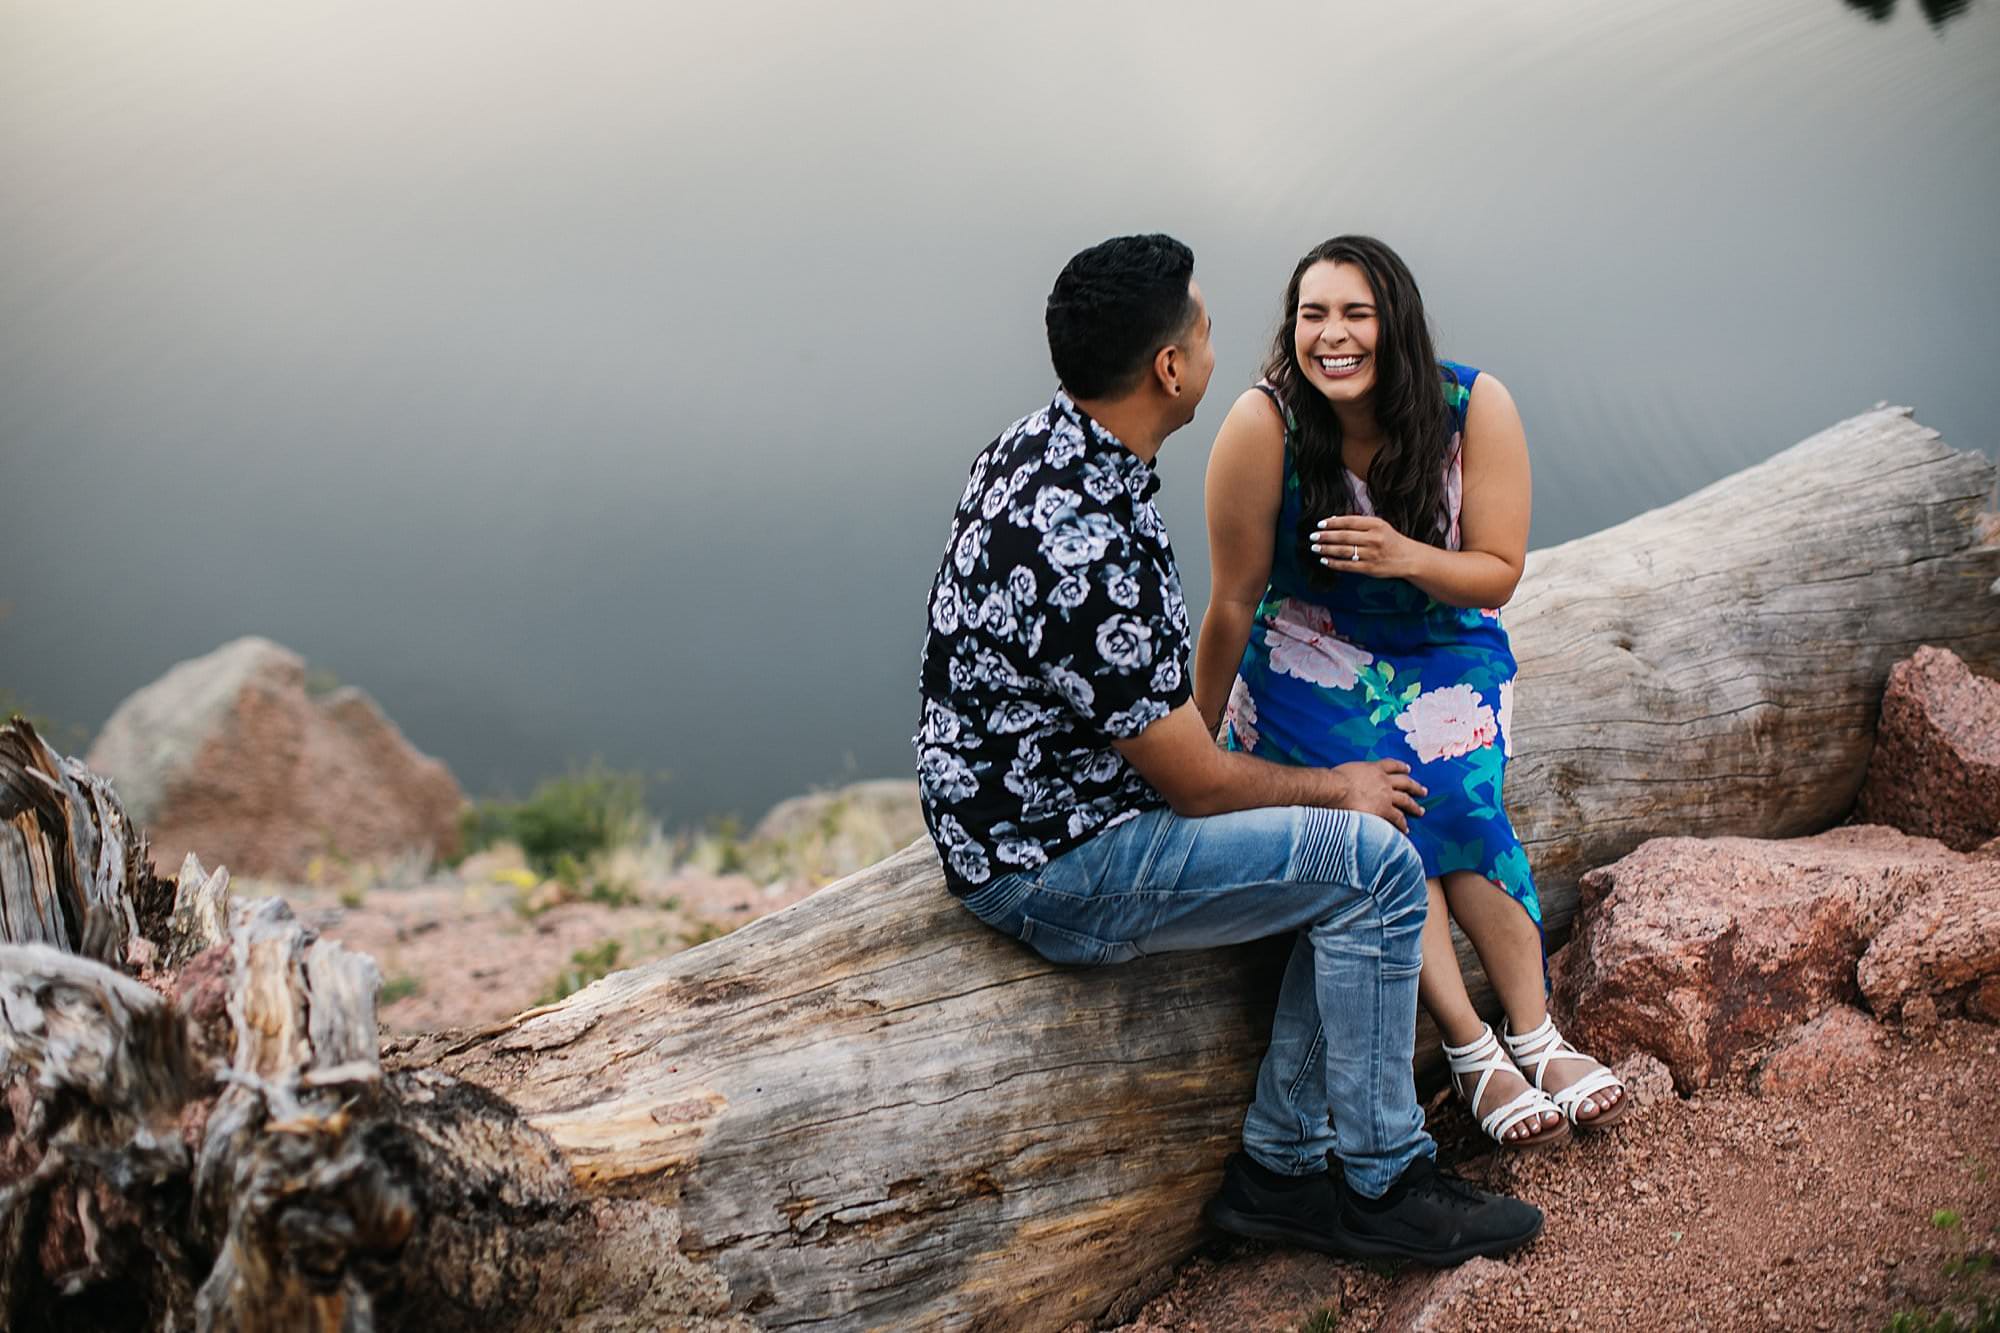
point(464, 950)
point(480, 942)
point(1834, 1206)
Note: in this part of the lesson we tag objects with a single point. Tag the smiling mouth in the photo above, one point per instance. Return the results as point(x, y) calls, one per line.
point(1338, 367)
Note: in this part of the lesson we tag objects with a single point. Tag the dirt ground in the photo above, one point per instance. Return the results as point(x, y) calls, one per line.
point(1835, 1210)
point(466, 950)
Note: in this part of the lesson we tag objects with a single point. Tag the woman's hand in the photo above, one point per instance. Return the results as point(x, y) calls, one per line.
point(1361, 544)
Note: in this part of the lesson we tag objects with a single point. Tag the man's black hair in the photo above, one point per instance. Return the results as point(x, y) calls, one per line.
point(1114, 306)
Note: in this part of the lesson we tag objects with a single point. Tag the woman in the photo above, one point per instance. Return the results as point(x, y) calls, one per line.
point(1368, 514)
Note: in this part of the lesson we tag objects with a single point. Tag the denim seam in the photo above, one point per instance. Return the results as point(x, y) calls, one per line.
point(1315, 1059)
point(1319, 843)
point(1022, 887)
point(1160, 832)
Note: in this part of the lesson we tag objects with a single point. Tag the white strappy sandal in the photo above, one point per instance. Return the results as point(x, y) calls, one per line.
point(1533, 1052)
point(1483, 1056)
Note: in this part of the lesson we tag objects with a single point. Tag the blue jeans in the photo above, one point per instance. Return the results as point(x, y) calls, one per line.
point(1346, 1026)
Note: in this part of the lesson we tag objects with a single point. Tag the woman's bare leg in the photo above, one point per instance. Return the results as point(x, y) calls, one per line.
point(1510, 949)
point(1441, 989)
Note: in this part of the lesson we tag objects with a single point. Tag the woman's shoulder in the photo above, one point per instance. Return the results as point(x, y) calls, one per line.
point(1467, 388)
point(1458, 379)
point(1255, 425)
point(1262, 403)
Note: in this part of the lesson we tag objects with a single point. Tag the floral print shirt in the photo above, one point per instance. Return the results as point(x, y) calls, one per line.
point(1057, 625)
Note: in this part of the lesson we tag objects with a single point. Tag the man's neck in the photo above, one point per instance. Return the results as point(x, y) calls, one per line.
point(1135, 422)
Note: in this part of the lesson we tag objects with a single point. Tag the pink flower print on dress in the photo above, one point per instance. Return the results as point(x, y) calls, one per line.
point(1239, 718)
point(1507, 717)
point(1447, 722)
point(1304, 645)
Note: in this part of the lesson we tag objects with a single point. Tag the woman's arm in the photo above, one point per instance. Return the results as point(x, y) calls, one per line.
point(1492, 520)
point(1246, 477)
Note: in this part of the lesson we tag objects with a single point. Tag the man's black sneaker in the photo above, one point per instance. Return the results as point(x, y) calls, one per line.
point(1434, 1217)
point(1260, 1204)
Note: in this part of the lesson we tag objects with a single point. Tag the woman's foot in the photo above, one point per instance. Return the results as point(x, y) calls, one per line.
point(1508, 1108)
point(1586, 1092)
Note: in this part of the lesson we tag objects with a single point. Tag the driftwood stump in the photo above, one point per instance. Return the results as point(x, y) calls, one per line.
point(866, 1111)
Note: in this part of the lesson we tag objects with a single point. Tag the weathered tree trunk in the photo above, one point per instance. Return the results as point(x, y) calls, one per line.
point(868, 1111)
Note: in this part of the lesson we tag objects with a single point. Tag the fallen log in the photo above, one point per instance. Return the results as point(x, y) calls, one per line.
point(868, 1111)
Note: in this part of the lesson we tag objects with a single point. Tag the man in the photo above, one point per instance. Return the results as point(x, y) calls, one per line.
point(1080, 805)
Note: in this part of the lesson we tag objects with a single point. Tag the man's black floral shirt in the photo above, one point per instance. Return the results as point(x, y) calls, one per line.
point(1056, 625)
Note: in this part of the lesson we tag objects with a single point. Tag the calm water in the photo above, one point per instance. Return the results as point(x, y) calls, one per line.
point(598, 378)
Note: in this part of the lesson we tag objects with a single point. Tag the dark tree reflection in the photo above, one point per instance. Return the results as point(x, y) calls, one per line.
point(1939, 12)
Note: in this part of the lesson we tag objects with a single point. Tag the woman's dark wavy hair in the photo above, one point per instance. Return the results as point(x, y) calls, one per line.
point(1406, 480)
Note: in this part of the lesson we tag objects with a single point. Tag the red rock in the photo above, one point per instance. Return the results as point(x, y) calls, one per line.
point(1984, 1002)
point(227, 756)
point(1839, 1044)
point(1935, 771)
point(1701, 951)
point(1446, 1299)
point(1646, 1080)
point(1945, 945)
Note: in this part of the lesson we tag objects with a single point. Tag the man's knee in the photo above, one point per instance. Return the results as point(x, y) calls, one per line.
point(1384, 863)
point(1389, 864)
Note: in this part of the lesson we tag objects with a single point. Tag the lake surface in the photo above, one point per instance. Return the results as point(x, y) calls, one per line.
point(597, 379)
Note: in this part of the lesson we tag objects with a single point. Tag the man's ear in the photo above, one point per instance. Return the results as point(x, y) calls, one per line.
point(1168, 363)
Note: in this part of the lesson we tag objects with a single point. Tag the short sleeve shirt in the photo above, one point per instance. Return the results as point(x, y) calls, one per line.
point(1057, 626)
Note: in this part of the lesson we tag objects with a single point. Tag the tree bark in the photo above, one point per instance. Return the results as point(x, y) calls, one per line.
point(869, 1111)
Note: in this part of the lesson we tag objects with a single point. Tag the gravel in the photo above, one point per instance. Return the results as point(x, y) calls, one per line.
point(1832, 1209)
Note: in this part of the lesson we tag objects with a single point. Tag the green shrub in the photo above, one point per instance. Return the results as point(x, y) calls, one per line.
point(703, 931)
point(400, 987)
point(585, 966)
point(1984, 1318)
point(320, 682)
point(564, 822)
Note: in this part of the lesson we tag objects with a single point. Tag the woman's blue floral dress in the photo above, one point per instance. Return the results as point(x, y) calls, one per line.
point(1370, 668)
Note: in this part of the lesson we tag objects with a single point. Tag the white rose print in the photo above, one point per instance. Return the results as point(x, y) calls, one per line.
point(1447, 722)
point(1304, 645)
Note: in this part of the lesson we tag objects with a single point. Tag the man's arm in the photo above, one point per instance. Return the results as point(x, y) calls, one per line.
point(1182, 761)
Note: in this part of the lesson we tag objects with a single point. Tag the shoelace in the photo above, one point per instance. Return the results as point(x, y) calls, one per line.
point(1435, 1180)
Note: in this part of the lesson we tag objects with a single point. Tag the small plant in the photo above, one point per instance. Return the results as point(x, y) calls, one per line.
point(1985, 1318)
point(585, 966)
point(320, 682)
point(400, 987)
point(1969, 1306)
point(564, 822)
point(703, 932)
point(611, 892)
point(730, 859)
point(1975, 1265)
point(353, 896)
point(1323, 1320)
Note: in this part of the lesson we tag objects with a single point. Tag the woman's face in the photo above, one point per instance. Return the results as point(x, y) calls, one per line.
point(1334, 335)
